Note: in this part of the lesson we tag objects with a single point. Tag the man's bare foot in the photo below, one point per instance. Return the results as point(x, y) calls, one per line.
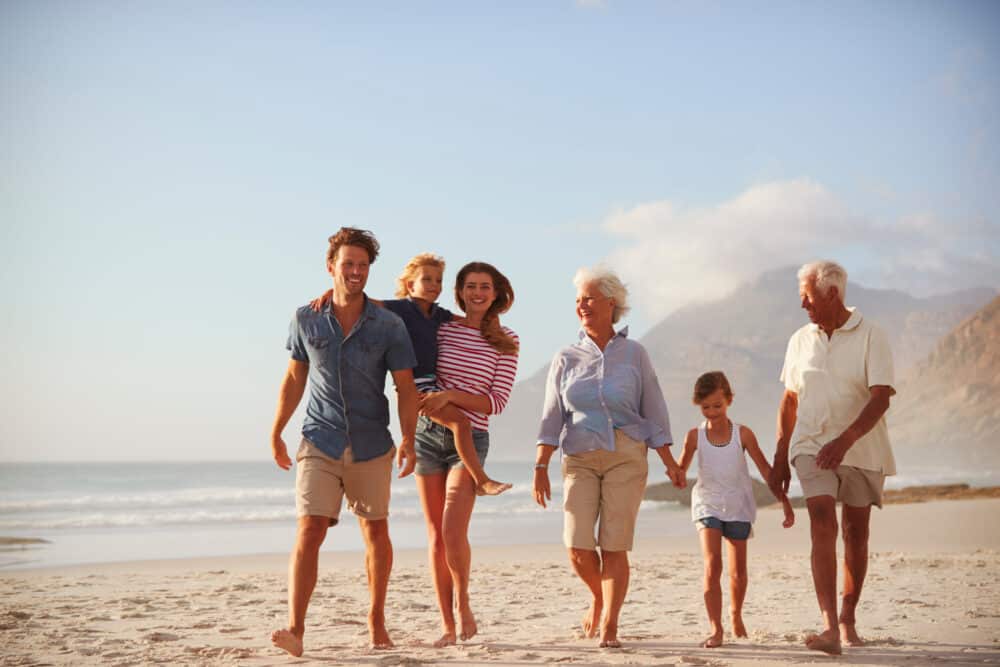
point(492, 487)
point(447, 639)
point(592, 619)
point(739, 629)
point(467, 625)
point(713, 640)
point(287, 642)
point(609, 643)
point(828, 642)
point(849, 635)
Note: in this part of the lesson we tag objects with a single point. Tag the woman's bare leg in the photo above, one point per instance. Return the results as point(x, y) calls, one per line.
point(460, 497)
point(432, 497)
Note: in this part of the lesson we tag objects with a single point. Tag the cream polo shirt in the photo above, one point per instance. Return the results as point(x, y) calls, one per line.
point(831, 377)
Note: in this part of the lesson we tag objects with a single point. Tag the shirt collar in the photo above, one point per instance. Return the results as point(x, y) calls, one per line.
point(621, 333)
point(852, 322)
point(368, 311)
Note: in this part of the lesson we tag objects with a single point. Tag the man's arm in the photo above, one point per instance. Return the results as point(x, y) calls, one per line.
point(292, 387)
point(781, 474)
point(832, 453)
point(406, 397)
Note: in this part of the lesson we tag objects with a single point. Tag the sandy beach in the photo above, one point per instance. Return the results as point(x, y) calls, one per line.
point(931, 597)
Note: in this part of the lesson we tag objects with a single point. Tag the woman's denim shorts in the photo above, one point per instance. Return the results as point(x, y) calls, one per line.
point(435, 446)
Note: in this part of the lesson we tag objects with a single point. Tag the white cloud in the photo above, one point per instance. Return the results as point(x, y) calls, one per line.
point(673, 255)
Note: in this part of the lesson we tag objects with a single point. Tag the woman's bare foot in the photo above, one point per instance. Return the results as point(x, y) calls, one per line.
point(713, 640)
point(379, 635)
point(467, 625)
point(609, 635)
point(849, 634)
point(592, 619)
point(447, 639)
point(827, 642)
point(491, 487)
point(287, 642)
point(739, 629)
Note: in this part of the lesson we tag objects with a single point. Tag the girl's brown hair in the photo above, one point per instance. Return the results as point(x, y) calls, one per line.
point(490, 326)
point(413, 267)
point(708, 384)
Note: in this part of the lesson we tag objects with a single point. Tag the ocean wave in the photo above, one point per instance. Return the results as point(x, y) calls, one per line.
point(151, 500)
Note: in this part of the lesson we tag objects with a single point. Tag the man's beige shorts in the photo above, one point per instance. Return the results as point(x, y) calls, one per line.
point(605, 486)
point(856, 487)
point(321, 482)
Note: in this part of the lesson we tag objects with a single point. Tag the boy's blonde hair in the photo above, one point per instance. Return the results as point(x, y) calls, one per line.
point(413, 267)
point(708, 384)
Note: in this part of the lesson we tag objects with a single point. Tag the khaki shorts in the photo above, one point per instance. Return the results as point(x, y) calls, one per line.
point(856, 487)
point(321, 482)
point(605, 486)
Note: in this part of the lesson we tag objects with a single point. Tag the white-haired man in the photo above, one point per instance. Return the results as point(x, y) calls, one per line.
point(838, 379)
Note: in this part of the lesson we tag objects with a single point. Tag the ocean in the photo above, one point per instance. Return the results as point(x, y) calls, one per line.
point(107, 512)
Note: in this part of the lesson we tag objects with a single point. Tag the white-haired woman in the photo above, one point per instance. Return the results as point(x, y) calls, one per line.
point(604, 408)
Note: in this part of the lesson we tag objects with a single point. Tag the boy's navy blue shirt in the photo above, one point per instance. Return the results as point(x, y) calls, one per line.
point(423, 331)
point(347, 404)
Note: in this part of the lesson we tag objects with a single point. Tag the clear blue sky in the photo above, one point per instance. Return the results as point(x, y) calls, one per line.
point(170, 172)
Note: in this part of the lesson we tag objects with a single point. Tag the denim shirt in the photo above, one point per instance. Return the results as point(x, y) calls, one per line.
point(347, 404)
point(590, 393)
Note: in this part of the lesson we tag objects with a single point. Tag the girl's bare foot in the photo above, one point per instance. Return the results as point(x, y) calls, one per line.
point(739, 629)
point(713, 640)
point(467, 625)
point(827, 642)
point(287, 642)
point(492, 487)
point(592, 619)
point(447, 639)
point(609, 643)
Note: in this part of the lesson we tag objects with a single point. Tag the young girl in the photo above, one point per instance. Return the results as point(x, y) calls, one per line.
point(722, 502)
point(417, 290)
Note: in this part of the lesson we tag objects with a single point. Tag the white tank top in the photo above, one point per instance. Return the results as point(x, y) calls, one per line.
point(723, 489)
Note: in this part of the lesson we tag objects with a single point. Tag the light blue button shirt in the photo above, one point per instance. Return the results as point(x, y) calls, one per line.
point(590, 393)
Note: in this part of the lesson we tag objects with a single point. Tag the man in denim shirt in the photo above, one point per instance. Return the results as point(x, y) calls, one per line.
point(345, 351)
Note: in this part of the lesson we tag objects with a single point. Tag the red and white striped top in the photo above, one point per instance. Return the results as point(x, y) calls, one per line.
point(468, 363)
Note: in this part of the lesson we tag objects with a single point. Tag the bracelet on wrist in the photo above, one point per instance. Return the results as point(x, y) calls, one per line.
point(541, 466)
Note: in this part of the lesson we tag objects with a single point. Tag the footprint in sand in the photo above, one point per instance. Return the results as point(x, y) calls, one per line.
point(161, 637)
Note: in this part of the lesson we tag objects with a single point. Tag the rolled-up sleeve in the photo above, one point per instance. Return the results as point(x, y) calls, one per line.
point(652, 406)
point(552, 409)
point(295, 344)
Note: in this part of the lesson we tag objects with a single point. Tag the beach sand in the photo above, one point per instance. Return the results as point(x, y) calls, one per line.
point(931, 598)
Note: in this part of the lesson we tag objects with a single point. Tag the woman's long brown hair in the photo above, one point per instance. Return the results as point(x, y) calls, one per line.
point(490, 326)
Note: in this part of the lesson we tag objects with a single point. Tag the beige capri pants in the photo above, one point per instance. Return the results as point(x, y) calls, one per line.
point(606, 488)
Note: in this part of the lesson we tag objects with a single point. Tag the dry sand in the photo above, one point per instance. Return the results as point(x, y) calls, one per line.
point(931, 598)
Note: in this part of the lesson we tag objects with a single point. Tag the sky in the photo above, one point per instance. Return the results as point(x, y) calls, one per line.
point(170, 173)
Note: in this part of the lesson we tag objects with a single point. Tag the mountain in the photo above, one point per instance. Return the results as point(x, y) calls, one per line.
point(745, 335)
point(947, 409)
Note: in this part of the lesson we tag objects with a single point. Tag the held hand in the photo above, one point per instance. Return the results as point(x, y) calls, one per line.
point(542, 489)
point(432, 402)
point(780, 477)
point(676, 476)
point(406, 458)
point(832, 453)
point(320, 302)
point(280, 453)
